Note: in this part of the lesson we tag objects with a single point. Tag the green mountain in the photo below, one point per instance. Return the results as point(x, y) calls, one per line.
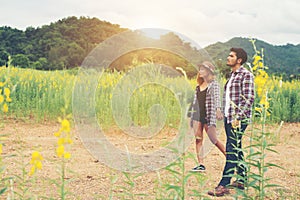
point(61, 45)
point(282, 60)
point(64, 44)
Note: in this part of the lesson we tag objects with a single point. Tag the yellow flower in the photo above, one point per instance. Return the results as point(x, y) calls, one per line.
point(256, 59)
point(264, 101)
point(2, 84)
point(32, 170)
point(57, 134)
point(1, 98)
point(61, 141)
point(36, 156)
point(259, 91)
point(8, 99)
point(65, 125)
point(36, 162)
point(258, 109)
point(7, 92)
point(60, 150)
point(38, 165)
point(5, 108)
point(259, 80)
point(67, 155)
point(69, 140)
point(255, 67)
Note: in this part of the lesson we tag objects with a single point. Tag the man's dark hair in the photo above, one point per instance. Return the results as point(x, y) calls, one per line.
point(240, 53)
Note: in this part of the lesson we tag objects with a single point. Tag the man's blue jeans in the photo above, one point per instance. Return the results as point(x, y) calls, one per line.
point(234, 154)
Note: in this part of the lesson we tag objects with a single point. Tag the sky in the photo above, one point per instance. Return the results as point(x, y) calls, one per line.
point(205, 22)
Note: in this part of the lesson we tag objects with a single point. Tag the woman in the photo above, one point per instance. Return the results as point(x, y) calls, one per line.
point(206, 109)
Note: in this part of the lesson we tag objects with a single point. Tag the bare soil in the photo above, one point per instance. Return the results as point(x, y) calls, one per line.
point(87, 178)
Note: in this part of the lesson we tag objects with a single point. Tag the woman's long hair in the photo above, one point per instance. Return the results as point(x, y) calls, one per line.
point(200, 80)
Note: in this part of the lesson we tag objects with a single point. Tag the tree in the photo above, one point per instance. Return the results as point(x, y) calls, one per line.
point(3, 57)
point(41, 63)
point(20, 60)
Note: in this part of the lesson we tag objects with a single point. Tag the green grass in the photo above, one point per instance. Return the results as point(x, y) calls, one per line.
point(40, 95)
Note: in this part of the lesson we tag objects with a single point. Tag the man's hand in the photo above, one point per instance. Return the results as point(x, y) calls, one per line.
point(236, 124)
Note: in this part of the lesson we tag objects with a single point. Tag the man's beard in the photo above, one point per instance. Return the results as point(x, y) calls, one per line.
point(231, 65)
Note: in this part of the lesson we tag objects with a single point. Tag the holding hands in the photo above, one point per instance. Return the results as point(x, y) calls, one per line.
point(219, 114)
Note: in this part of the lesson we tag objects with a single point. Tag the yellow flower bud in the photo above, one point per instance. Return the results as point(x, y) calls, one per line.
point(69, 141)
point(5, 108)
point(38, 165)
point(60, 150)
point(36, 156)
point(65, 125)
point(32, 170)
point(57, 134)
point(61, 141)
point(7, 92)
point(8, 99)
point(67, 155)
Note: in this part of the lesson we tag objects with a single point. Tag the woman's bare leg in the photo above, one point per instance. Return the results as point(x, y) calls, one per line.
point(198, 128)
point(212, 134)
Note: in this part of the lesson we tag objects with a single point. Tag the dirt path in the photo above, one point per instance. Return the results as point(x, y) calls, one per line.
point(89, 179)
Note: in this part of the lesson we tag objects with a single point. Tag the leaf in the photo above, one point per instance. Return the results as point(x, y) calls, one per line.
point(272, 150)
point(173, 187)
point(114, 179)
point(272, 185)
point(3, 190)
point(253, 164)
point(142, 195)
point(273, 165)
point(256, 177)
point(173, 171)
point(252, 183)
point(137, 175)
point(186, 178)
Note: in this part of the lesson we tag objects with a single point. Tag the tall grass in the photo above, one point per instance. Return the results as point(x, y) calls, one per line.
point(38, 94)
point(285, 100)
point(41, 94)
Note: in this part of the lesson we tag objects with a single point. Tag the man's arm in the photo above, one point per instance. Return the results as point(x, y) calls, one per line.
point(247, 96)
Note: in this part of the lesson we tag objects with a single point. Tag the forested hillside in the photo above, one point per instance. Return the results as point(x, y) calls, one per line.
point(60, 45)
point(64, 44)
point(282, 60)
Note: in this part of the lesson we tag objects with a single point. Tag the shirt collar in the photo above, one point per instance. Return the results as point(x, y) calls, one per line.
point(238, 70)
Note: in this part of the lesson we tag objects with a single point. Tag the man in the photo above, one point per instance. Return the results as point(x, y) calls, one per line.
point(238, 98)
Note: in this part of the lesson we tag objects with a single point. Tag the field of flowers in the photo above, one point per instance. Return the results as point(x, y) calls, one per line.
point(45, 96)
point(40, 95)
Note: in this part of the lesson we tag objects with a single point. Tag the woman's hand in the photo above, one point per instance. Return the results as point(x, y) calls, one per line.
point(219, 114)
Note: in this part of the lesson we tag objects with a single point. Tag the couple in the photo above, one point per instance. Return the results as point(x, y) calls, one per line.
point(238, 98)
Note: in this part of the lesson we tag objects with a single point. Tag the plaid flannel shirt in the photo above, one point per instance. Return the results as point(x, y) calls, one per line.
point(212, 102)
point(241, 93)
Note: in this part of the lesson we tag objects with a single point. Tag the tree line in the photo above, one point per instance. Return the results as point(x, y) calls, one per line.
point(60, 45)
point(64, 45)
point(282, 60)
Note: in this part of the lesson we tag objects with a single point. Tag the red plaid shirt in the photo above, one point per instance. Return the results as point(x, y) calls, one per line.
point(241, 95)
